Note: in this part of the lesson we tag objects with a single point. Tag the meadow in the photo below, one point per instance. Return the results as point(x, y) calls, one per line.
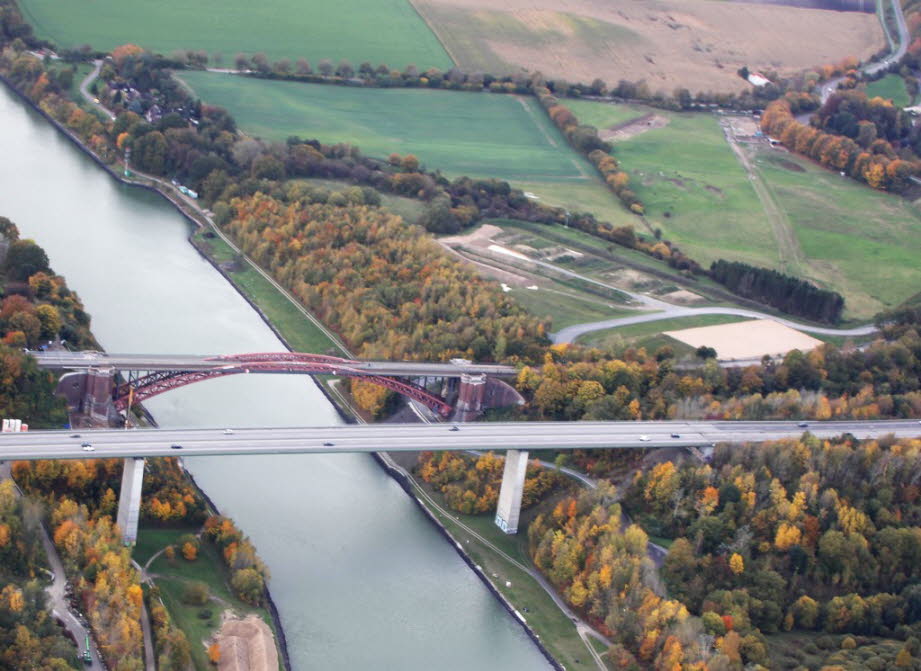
point(377, 31)
point(694, 188)
point(892, 87)
point(475, 134)
point(857, 241)
point(864, 243)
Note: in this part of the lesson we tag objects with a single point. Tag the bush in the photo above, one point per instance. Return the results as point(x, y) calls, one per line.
point(195, 594)
point(204, 614)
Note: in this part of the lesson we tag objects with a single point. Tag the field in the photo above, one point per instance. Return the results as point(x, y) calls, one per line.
point(693, 186)
point(475, 134)
point(696, 44)
point(649, 334)
point(806, 220)
point(892, 87)
point(378, 31)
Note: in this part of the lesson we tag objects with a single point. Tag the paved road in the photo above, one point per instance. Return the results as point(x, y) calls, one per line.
point(89, 97)
point(415, 437)
point(897, 51)
point(182, 362)
point(570, 333)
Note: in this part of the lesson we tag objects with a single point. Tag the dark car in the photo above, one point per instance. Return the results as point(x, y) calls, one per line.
point(676, 435)
point(75, 435)
point(803, 425)
point(453, 428)
point(175, 447)
point(328, 444)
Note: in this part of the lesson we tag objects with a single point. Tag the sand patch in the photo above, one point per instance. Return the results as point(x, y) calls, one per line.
point(682, 297)
point(246, 645)
point(630, 129)
point(747, 340)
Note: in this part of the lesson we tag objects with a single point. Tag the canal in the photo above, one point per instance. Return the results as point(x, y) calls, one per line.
point(361, 579)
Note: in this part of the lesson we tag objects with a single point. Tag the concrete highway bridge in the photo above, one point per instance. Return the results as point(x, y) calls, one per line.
point(515, 437)
point(94, 393)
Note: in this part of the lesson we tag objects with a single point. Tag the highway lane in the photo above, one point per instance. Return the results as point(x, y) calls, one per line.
point(157, 362)
point(437, 437)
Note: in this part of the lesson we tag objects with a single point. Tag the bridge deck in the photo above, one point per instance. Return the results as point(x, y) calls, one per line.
point(436, 437)
point(192, 362)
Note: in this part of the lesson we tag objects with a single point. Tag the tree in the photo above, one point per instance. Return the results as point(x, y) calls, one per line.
point(195, 593)
point(24, 259)
point(214, 653)
point(189, 551)
point(736, 563)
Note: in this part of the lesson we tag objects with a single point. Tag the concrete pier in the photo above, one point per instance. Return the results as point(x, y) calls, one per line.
point(509, 508)
point(129, 499)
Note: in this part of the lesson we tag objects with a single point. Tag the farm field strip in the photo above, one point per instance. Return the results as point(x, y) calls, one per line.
point(475, 134)
point(377, 31)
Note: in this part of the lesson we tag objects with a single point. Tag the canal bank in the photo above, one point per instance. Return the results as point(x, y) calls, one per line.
point(355, 566)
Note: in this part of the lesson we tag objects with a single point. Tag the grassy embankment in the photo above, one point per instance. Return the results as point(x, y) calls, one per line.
point(699, 194)
point(892, 87)
point(198, 622)
point(377, 31)
point(557, 632)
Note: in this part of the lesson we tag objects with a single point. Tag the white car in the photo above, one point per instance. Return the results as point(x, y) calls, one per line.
point(88, 448)
point(228, 432)
point(644, 439)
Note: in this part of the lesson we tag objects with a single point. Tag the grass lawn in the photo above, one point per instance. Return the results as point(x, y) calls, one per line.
point(298, 331)
point(153, 539)
point(172, 579)
point(636, 332)
point(476, 134)
point(892, 87)
point(563, 306)
point(863, 243)
point(378, 31)
point(410, 209)
point(694, 187)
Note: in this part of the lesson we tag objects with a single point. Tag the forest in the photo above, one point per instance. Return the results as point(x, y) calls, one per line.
point(789, 294)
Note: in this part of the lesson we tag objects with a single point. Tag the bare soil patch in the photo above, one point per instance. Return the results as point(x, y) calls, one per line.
point(625, 131)
point(682, 297)
point(696, 44)
point(747, 340)
point(246, 645)
point(790, 165)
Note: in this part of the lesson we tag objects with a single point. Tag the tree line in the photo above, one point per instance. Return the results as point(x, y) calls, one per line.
point(789, 294)
point(844, 140)
point(471, 485)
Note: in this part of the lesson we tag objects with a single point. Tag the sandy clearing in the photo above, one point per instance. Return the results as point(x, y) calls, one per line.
point(682, 297)
point(246, 645)
point(747, 340)
point(696, 44)
point(625, 131)
point(476, 238)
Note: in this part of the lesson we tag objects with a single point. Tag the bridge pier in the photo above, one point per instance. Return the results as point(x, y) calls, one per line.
point(89, 394)
point(470, 395)
point(129, 499)
point(511, 491)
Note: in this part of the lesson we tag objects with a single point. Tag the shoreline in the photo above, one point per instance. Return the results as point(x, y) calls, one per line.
point(346, 416)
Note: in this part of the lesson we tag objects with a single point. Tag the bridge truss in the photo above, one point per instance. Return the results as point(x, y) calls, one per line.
point(142, 385)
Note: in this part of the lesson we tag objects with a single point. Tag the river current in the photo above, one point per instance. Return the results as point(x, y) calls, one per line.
point(360, 578)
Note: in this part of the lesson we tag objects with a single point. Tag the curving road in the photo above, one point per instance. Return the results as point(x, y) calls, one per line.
point(570, 333)
point(89, 97)
point(897, 51)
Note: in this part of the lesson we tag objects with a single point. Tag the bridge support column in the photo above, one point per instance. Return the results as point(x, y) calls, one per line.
point(509, 508)
point(470, 395)
point(129, 499)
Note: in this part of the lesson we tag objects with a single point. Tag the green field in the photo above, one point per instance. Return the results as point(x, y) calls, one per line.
point(864, 243)
point(648, 334)
point(377, 31)
point(694, 188)
point(474, 134)
point(892, 87)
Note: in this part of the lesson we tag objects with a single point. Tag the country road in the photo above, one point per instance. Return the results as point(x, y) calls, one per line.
point(89, 97)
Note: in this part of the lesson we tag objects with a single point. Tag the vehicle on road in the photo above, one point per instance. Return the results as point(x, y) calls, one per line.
point(676, 435)
point(328, 444)
point(87, 447)
point(803, 425)
point(453, 428)
point(645, 439)
point(75, 435)
point(228, 432)
point(175, 447)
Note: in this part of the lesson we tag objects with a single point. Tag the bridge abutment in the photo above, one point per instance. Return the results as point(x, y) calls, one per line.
point(129, 499)
point(509, 509)
point(89, 395)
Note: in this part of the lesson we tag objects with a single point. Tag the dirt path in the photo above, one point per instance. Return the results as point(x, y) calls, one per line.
point(792, 258)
